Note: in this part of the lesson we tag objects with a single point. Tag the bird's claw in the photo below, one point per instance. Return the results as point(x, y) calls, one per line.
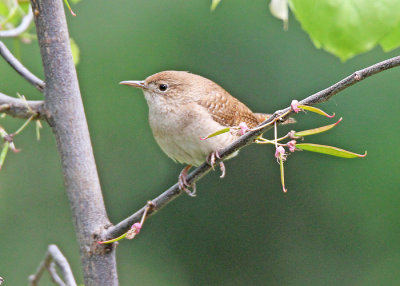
point(183, 183)
point(212, 158)
point(222, 168)
point(211, 161)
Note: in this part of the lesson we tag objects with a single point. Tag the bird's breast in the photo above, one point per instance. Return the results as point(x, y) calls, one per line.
point(178, 130)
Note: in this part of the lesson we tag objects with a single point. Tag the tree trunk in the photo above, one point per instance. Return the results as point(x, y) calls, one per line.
point(64, 108)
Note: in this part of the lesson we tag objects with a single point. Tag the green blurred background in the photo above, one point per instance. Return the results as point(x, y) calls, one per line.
point(337, 225)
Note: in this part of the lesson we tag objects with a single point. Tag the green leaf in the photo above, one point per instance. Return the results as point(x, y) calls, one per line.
point(316, 110)
point(348, 28)
point(391, 40)
point(11, 17)
point(114, 239)
point(25, 6)
point(329, 150)
point(214, 4)
point(12, 13)
point(75, 52)
point(219, 132)
point(3, 10)
point(316, 130)
point(3, 153)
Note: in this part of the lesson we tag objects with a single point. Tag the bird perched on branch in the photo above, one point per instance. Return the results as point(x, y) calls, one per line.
point(184, 108)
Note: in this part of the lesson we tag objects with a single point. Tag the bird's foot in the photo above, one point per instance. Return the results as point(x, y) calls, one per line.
point(214, 155)
point(211, 161)
point(183, 183)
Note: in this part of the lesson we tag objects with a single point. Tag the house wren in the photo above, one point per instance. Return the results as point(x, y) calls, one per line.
point(184, 107)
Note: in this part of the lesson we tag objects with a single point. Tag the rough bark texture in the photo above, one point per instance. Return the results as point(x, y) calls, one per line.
point(66, 116)
point(20, 108)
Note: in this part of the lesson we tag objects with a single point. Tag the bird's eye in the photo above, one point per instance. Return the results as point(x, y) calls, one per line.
point(163, 87)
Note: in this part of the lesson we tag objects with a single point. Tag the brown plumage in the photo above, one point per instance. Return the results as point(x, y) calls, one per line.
point(227, 110)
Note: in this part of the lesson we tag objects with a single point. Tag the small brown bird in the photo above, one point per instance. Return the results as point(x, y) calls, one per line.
point(184, 107)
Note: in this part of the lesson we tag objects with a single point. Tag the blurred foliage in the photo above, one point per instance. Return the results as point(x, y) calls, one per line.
point(343, 28)
point(11, 13)
point(338, 223)
point(348, 28)
point(75, 52)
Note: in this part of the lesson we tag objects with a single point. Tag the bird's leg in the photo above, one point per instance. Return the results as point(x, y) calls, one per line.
point(211, 161)
point(183, 184)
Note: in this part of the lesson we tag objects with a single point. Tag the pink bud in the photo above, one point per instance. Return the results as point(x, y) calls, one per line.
point(137, 226)
point(135, 229)
point(294, 105)
point(243, 128)
point(292, 145)
point(280, 151)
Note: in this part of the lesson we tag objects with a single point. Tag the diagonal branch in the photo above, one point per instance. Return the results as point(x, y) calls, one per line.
point(248, 138)
point(54, 257)
point(25, 23)
point(20, 68)
point(21, 108)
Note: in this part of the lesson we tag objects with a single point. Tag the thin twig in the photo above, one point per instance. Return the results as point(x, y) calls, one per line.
point(26, 21)
point(54, 275)
point(19, 67)
point(22, 127)
point(321, 96)
point(22, 108)
point(54, 256)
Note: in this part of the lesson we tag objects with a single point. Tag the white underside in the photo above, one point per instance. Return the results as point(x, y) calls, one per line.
point(178, 132)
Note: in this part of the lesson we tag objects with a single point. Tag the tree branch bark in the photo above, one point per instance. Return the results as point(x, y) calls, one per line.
point(54, 256)
point(248, 138)
point(66, 116)
point(21, 108)
point(20, 68)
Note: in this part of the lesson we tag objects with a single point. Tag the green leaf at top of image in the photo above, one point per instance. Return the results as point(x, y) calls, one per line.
point(348, 28)
point(391, 40)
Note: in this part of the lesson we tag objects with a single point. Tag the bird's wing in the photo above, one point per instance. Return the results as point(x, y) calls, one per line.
point(227, 110)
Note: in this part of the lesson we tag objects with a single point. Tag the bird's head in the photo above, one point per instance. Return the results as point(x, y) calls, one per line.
point(172, 87)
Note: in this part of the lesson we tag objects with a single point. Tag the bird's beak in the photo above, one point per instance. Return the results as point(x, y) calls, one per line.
point(135, 83)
